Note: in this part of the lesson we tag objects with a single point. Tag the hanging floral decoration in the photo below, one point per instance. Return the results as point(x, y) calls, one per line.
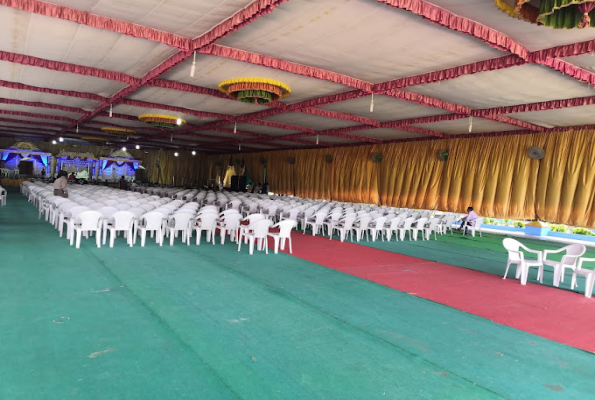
point(162, 121)
point(254, 90)
point(557, 14)
point(118, 131)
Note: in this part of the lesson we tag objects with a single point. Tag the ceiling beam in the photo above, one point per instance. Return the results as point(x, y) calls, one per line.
point(68, 93)
point(67, 67)
point(37, 104)
point(283, 65)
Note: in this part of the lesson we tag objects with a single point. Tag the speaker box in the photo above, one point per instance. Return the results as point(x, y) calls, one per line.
point(235, 180)
point(242, 184)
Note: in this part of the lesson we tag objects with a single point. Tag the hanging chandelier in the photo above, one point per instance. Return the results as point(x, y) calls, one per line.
point(118, 131)
point(162, 121)
point(557, 14)
point(254, 90)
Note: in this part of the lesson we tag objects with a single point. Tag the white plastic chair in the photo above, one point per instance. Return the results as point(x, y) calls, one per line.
point(257, 232)
point(360, 226)
point(87, 222)
point(284, 234)
point(419, 226)
point(229, 225)
point(377, 226)
point(516, 256)
point(589, 275)
point(179, 222)
point(205, 221)
point(569, 260)
point(344, 227)
point(405, 227)
point(430, 227)
point(121, 221)
point(393, 227)
point(475, 227)
point(316, 222)
point(150, 222)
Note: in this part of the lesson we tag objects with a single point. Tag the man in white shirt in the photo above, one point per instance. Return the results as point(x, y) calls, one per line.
point(469, 220)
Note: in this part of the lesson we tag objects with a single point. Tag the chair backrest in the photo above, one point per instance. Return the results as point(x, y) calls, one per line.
point(122, 220)
point(395, 222)
point(254, 217)
point(111, 202)
point(433, 223)
point(123, 207)
point(573, 252)
point(90, 220)
point(227, 212)
point(232, 221)
point(511, 244)
point(285, 227)
point(74, 211)
point(108, 211)
point(364, 221)
point(407, 223)
point(207, 220)
point(152, 220)
point(420, 223)
point(379, 222)
point(181, 220)
point(260, 228)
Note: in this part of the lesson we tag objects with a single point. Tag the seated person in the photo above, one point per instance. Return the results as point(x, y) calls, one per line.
point(71, 177)
point(469, 220)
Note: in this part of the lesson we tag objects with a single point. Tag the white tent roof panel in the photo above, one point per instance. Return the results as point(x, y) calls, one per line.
point(310, 121)
point(386, 108)
point(584, 115)
point(386, 134)
point(511, 86)
point(188, 18)
point(461, 126)
point(267, 130)
point(332, 139)
point(358, 38)
point(532, 36)
point(39, 110)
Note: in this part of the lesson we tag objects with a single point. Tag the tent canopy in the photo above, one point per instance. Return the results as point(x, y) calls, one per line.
point(360, 71)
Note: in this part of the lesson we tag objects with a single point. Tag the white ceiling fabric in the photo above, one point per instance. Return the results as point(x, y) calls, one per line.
point(362, 39)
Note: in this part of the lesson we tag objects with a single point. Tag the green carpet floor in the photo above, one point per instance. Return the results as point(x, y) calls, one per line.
point(207, 322)
point(484, 254)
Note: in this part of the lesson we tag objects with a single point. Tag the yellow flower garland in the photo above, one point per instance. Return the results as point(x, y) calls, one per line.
point(286, 91)
point(117, 130)
point(159, 117)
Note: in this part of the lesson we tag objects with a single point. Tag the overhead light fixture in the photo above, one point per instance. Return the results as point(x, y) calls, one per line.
point(77, 128)
point(239, 146)
point(61, 139)
point(372, 104)
point(235, 128)
point(317, 137)
point(470, 123)
point(193, 69)
point(137, 147)
point(176, 154)
point(193, 152)
point(54, 142)
point(110, 110)
point(123, 148)
point(179, 121)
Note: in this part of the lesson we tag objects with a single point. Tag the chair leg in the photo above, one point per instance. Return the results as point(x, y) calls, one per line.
point(143, 237)
point(251, 252)
point(589, 285)
point(79, 233)
point(290, 249)
point(506, 272)
point(112, 237)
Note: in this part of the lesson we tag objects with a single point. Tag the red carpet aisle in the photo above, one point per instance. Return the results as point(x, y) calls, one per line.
point(554, 314)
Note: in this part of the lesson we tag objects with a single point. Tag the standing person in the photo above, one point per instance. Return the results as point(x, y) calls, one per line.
point(123, 184)
point(256, 189)
point(265, 188)
point(469, 220)
point(60, 185)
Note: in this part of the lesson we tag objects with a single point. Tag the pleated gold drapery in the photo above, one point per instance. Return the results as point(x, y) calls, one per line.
point(493, 174)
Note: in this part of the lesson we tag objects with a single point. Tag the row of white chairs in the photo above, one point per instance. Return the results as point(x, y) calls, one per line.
point(3, 195)
point(100, 210)
point(571, 259)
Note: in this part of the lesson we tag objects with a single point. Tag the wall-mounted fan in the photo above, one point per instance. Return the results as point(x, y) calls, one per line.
point(536, 152)
point(376, 157)
point(328, 158)
point(290, 160)
point(442, 155)
point(263, 161)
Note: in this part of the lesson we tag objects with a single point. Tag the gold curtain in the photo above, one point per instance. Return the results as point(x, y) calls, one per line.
point(492, 173)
